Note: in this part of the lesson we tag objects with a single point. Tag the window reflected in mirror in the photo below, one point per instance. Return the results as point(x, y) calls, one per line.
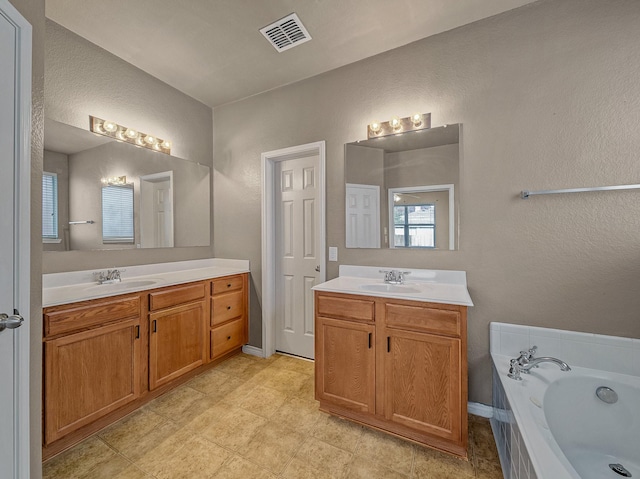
point(117, 214)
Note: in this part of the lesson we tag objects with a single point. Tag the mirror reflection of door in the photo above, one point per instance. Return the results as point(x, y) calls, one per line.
point(363, 216)
point(156, 210)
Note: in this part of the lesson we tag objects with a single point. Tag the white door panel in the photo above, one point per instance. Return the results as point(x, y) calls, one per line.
point(297, 259)
point(15, 113)
point(363, 216)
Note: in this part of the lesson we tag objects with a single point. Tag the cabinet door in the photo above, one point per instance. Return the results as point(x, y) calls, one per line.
point(176, 342)
point(89, 374)
point(423, 383)
point(345, 364)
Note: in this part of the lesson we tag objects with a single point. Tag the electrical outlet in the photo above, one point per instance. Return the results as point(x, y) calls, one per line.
point(333, 253)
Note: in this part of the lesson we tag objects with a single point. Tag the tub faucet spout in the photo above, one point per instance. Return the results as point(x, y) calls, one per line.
point(535, 361)
point(516, 367)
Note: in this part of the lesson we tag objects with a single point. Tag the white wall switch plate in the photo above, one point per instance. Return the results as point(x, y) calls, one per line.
point(333, 253)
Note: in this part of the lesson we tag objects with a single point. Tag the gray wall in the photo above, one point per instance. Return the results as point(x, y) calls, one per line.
point(33, 11)
point(83, 79)
point(548, 96)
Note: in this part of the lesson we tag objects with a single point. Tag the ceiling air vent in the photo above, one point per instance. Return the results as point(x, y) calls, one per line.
point(286, 33)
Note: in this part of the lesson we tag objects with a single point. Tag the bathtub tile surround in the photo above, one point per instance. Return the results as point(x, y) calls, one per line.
point(219, 426)
point(594, 351)
point(532, 418)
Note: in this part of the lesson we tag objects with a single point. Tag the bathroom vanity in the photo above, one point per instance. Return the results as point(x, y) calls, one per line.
point(394, 356)
point(110, 348)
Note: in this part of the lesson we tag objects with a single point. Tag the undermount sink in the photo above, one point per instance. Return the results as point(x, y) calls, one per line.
point(390, 288)
point(124, 284)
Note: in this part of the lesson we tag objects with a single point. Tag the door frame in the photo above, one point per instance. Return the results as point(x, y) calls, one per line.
point(22, 236)
point(269, 161)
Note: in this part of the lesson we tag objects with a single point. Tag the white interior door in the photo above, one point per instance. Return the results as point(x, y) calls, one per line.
point(156, 210)
point(297, 259)
point(15, 111)
point(363, 216)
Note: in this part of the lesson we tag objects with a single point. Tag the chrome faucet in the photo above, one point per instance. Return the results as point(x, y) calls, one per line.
point(516, 367)
point(393, 276)
point(108, 277)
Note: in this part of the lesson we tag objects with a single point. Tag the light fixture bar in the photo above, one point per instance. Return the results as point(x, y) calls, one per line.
point(128, 135)
point(396, 126)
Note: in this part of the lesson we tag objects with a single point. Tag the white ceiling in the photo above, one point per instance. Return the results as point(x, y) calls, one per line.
point(213, 51)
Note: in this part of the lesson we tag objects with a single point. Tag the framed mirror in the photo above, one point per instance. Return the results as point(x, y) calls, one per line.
point(99, 193)
point(402, 190)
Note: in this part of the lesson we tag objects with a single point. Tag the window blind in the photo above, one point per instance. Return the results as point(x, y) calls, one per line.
point(49, 205)
point(117, 214)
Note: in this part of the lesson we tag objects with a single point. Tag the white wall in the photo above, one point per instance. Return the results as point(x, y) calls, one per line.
point(548, 96)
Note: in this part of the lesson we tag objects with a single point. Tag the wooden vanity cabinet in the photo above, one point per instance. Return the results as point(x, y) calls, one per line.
point(228, 328)
point(92, 361)
point(396, 365)
point(177, 340)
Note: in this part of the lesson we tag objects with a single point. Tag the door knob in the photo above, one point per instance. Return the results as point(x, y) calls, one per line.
point(318, 268)
point(10, 322)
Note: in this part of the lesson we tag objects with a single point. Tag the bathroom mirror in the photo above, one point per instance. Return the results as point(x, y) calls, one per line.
point(99, 193)
point(402, 190)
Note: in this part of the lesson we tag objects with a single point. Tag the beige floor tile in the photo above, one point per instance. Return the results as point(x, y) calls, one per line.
point(284, 380)
point(193, 458)
point(432, 464)
point(307, 390)
point(236, 365)
point(131, 428)
point(488, 469)
point(294, 364)
point(395, 453)
point(234, 430)
point(136, 446)
point(482, 443)
point(215, 384)
point(361, 468)
point(207, 417)
point(175, 402)
point(272, 446)
point(116, 468)
point(298, 414)
point(323, 456)
point(338, 432)
point(78, 461)
point(263, 401)
point(239, 468)
point(195, 410)
point(299, 469)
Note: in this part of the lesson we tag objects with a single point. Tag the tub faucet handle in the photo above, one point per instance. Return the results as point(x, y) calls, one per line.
point(514, 370)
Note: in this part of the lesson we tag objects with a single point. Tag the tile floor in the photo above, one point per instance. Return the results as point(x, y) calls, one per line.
point(256, 418)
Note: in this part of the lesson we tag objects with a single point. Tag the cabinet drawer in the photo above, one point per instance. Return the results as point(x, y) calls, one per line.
point(84, 316)
point(225, 307)
point(175, 296)
point(417, 318)
point(227, 337)
point(345, 308)
point(230, 283)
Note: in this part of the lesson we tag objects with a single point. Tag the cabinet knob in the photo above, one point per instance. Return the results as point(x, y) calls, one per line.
point(228, 308)
point(228, 285)
point(228, 338)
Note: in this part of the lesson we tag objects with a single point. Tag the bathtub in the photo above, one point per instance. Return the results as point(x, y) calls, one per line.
point(552, 424)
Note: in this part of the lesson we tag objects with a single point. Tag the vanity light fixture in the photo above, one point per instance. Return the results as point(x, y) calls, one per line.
point(114, 180)
point(129, 135)
point(397, 125)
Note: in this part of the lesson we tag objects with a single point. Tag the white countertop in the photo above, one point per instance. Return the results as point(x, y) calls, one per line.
point(428, 285)
point(63, 288)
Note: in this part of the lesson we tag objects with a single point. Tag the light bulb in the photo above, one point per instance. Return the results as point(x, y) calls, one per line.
point(150, 139)
point(416, 119)
point(166, 144)
point(375, 127)
point(395, 123)
point(110, 126)
point(131, 134)
point(140, 141)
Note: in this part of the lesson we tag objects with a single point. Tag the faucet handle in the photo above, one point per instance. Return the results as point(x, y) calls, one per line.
point(514, 370)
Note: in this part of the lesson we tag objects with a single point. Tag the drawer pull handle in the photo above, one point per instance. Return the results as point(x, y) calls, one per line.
point(228, 285)
point(228, 338)
point(388, 344)
point(137, 332)
point(228, 308)
point(155, 326)
point(369, 340)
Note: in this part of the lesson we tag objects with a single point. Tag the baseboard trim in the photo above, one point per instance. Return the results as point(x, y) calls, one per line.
point(478, 409)
point(253, 351)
